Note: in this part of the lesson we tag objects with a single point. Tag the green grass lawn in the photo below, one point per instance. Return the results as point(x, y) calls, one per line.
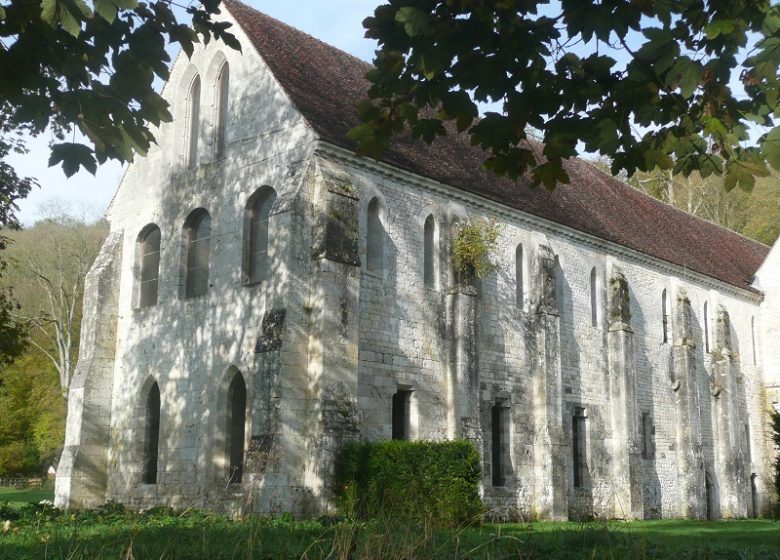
point(43, 533)
point(29, 495)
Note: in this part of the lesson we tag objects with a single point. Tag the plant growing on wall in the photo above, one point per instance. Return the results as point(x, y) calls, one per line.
point(472, 246)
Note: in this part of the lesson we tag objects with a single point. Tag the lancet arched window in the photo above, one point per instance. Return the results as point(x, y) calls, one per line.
point(429, 258)
point(198, 236)
point(151, 435)
point(193, 123)
point(223, 87)
point(149, 264)
point(258, 211)
point(235, 430)
point(375, 233)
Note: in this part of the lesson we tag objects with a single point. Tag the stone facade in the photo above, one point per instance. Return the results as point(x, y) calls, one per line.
point(613, 401)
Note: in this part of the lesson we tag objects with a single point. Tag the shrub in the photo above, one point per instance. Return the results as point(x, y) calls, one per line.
point(472, 246)
point(432, 483)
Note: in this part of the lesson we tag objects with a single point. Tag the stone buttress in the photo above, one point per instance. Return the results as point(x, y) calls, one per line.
point(550, 447)
point(689, 445)
point(626, 458)
point(82, 475)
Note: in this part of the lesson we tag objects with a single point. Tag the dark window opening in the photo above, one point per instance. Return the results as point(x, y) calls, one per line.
point(151, 435)
point(402, 414)
point(648, 432)
point(223, 85)
point(236, 420)
point(429, 275)
point(499, 443)
point(579, 444)
point(375, 233)
point(194, 123)
point(519, 280)
point(665, 315)
point(754, 495)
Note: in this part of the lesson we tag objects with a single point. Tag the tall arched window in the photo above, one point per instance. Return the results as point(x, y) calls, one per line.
point(375, 232)
point(223, 85)
point(519, 277)
point(198, 232)
point(236, 420)
point(706, 328)
point(429, 258)
point(665, 315)
point(753, 339)
point(149, 263)
point(595, 297)
point(258, 210)
point(193, 123)
point(151, 435)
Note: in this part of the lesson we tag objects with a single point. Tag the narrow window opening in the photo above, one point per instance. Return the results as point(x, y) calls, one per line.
point(519, 277)
point(150, 267)
point(223, 84)
point(748, 450)
point(236, 420)
point(499, 443)
point(198, 254)
point(708, 497)
point(665, 315)
point(706, 328)
point(579, 444)
point(594, 298)
point(753, 339)
point(374, 238)
point(429, 273)
point(258, 213)
point(402, 414)
point(648, 433)
point(194, 123)
point(151, 435)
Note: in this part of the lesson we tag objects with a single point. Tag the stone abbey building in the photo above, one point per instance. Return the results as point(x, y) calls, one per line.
point(266, 295)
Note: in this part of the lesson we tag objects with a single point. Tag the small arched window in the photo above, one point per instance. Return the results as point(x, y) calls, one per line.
point(595, 298)
point(519, 277)
point(665, 315)
point(258, 211)
point(151, 435)
point(193, 123)
point(706, 328)
point(198, 234)
point(223, 86)
point(375, 233)
point(429, 258)
point(149, 263)
point(236, 420)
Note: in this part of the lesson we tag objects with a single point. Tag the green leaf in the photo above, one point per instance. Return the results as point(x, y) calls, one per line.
point(719, 27)
point(72, 156)
point(107, 9)
point(685, 74)
point(771, 148)
point(69, 23)
point(415, 21)
point(49, 12)
point(2, 13)
point(743, 170)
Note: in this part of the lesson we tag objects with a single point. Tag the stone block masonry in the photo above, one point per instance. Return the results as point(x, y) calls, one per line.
point(596, 380)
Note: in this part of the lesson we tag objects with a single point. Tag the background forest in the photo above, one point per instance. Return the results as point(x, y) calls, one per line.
point(47, 263)
point(46, 266)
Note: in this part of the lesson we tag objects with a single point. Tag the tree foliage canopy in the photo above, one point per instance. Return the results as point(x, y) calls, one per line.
point(68, 65)
point(645, 83)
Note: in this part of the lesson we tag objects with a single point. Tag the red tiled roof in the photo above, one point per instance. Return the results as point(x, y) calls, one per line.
point(325, 84)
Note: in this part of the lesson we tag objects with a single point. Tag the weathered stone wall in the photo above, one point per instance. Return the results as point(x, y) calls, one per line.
point(324, 343)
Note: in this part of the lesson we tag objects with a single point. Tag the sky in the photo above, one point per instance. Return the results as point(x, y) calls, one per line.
point(337, 22)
